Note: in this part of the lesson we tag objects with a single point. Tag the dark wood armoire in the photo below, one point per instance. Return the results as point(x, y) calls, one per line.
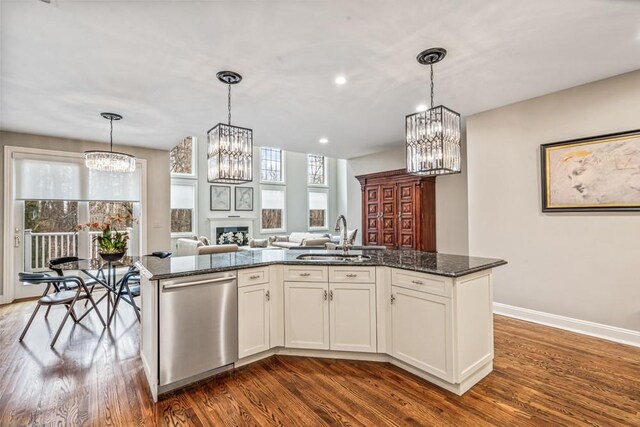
point(398, 210)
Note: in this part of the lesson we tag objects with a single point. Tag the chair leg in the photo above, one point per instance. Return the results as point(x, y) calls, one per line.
point(133, 303)
point(46, 315)
point(26, 328)
point(115, 307)
point(95, 307)
point(64, 319)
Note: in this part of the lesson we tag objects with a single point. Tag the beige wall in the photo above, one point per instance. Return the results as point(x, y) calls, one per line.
point(579, 265)
point(158, 211)
point(451, 198)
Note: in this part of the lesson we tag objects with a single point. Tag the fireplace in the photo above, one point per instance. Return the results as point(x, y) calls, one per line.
point(218, 227)
point(237, 235)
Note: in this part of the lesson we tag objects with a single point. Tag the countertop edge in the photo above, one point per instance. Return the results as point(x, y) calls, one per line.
point(454, 275)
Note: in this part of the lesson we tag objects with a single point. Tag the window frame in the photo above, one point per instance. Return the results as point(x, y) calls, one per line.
point(283, 169)
point(326, 215)
point(283, 229)
point(194, 217)
point(325, 171)
point(194, 160)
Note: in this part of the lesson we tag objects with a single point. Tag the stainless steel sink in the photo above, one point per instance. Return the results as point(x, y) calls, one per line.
point(333, 257)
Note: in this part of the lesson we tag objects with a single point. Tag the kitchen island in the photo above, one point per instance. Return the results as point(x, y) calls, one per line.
point(428, 313)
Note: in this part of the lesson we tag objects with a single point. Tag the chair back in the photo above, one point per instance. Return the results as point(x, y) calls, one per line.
point(62, 260)
point(35, 278)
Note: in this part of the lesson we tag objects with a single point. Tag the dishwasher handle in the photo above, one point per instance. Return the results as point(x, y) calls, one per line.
point(199, 282)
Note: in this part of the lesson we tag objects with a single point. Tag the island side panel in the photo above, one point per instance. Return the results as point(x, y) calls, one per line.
point(149, 332)
point(474, 318)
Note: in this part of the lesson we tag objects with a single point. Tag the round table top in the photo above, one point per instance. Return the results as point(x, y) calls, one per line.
point(95, 264)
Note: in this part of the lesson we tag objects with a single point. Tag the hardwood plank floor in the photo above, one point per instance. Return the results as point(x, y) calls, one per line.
point(542, 376)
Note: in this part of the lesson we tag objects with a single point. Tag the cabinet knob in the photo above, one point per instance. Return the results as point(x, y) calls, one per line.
point(330, 295)
point(254, 276)
point(352, 275)
point(268, 296)
point(324, 294)
point(393, 298)
point(417, 282)
point(305, 274)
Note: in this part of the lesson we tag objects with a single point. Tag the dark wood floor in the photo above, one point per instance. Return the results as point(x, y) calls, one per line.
point(542, 376)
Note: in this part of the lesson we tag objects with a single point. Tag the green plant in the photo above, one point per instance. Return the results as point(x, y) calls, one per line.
point(110, 240)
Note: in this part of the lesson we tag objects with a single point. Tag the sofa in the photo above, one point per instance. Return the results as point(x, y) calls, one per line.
point(201, 246)
point(298, 239)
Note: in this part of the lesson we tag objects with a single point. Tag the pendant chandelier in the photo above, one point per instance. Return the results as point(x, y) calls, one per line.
point(110, 161)
point(230, 148)
point(433, 136)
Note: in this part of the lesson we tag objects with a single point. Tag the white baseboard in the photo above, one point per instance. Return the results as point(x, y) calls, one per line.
point(611, 333)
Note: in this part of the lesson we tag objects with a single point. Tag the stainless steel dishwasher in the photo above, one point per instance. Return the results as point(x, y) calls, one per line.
point(198, 325)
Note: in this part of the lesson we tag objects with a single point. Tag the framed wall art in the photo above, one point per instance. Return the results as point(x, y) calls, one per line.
point(600, 173)
point(244, 199)
point(220, 198)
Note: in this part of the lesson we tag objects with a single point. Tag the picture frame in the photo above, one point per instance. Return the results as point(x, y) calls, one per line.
point(220, 198)
point(243, 200)
point(595, 174)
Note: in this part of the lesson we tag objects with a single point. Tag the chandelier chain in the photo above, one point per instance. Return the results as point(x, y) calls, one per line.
point(431, 68)
point(229, 104)
point(111, 134)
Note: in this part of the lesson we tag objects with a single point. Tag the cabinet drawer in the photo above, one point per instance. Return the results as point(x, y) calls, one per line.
point(253, 276)
point(350, 274)
point(306, 273)
point(422, 282)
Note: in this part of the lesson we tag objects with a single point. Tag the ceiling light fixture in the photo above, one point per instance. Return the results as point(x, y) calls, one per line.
point(323, 140)
point(110, 161)
point(230, 148)
point(433, 136)
point(340, 80)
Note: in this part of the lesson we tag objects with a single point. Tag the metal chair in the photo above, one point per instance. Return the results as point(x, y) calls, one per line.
point(67, 291)
point(55, 262)
point(129, 287)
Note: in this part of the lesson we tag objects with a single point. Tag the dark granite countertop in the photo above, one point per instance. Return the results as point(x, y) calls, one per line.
point(425, 262)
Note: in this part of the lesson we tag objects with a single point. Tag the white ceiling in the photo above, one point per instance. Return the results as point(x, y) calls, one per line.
point(155, 63)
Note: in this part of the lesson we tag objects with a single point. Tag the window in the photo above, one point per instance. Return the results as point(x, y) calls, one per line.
point(183, 207)
point(316, 170)
point(318, 208)
point(271, 165)
point(182, 158)
point(272, 215)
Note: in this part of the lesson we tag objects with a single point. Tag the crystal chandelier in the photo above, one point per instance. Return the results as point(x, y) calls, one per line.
point(110, 161)
point(433, 136)
point(230, 148)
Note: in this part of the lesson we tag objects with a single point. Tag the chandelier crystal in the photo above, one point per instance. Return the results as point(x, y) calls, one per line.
point(433, 136)
point(110, 161)
point(230, 148)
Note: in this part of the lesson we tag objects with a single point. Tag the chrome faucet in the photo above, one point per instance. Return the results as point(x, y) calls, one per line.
point(345, 244)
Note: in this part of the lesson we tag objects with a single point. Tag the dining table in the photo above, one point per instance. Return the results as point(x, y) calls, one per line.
point(105, 273)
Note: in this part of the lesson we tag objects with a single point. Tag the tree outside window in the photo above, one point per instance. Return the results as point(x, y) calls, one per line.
point(182, 157)
point(316, 170)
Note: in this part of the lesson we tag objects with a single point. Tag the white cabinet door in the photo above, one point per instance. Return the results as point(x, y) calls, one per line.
point(253, 319)
point(306, 319)
point(422, 330)
point(352, 309)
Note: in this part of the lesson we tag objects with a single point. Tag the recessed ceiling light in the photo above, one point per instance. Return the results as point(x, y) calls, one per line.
point(422, 107)
point(323, 140)
point(340, 80)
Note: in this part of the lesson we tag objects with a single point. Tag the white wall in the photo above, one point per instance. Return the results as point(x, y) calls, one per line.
point(296, 193)
point(579, 265)
point(451, 197)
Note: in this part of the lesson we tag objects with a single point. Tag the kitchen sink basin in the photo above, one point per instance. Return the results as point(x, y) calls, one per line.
point(333, 257)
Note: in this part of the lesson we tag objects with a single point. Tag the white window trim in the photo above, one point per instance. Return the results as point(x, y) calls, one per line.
point(284, 210)
point(194, 184)
point(283, 163)
point(326, 217)
point(8, 275)
point(326, 173)
point(194, 163)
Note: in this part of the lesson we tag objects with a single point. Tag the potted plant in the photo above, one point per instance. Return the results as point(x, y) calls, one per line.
point(112, 243)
